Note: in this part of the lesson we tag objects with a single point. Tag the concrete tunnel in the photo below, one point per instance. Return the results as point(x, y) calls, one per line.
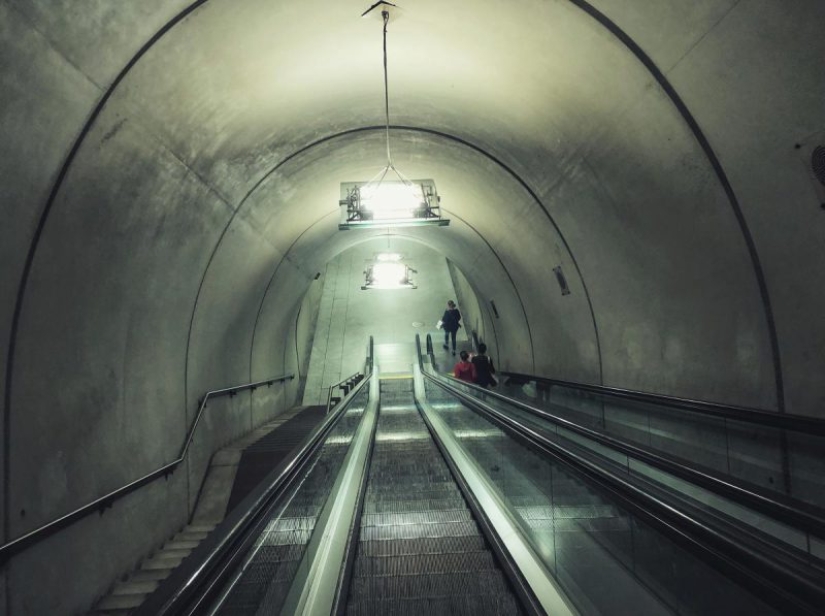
point(170, 184)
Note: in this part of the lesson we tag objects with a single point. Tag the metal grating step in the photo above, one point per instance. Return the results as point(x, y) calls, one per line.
point(421, 564)
point(493, 605)
point(390, 506)
point(416, 517)
point(429, 585)
point(405, 547)
point(419, 531)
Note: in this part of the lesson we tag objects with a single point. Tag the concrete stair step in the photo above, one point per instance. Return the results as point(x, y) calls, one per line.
point(190, 536)
point(134, 587)
point(199, 528)
point(120, 602)
point(161, 562)
point(149, 575)
point(173, 553)
point(181, 545)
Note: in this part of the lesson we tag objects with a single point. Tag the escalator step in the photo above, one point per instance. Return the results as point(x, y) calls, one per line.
point(393, 506)
point(422, 546)
point(416, 531)
point(417, 517)
point(429, 585)
point(420, 564)
point(504, 605)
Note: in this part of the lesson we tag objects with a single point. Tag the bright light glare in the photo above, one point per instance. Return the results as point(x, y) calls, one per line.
point(392, 200)
point(388, 256)
point(338, 440)
point(402, 436)
point(482, 434)
point(389, 274)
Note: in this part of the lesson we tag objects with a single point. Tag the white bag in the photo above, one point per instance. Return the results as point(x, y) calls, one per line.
point(440, 324)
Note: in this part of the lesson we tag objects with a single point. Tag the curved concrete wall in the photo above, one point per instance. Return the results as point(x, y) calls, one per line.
point(170, 178)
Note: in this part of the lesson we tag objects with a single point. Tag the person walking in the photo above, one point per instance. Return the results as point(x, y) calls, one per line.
point(484, 368)
point(464, 370)
point(451, 321)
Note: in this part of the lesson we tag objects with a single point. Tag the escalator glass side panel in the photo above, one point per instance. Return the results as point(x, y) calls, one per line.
point(419, 549)
point(775, 534)
point(727, 511)
point(263, 580)
point(784, 461)
point(605, 558)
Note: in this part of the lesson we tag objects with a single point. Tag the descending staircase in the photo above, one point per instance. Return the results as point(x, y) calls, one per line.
point(220, 492)
point(130, 593)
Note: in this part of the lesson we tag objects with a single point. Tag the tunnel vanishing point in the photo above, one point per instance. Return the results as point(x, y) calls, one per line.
point(170, 182)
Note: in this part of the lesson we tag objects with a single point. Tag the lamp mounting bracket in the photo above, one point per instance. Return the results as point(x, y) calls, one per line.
point(385, 6)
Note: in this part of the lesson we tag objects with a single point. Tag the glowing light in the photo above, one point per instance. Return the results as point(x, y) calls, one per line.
point(388, 256)
point(389, 203)
point(388, 275)
point(393, 200)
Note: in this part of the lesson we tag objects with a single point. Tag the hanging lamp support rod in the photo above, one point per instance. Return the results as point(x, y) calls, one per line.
point(386, 15)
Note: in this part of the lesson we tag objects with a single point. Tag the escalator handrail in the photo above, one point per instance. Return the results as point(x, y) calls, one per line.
point(100, 504)
point(735, 555)
point(787, 511)
point(223, 545)
point(786, 421)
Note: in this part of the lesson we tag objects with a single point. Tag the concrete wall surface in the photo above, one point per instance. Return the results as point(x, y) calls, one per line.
point(169, 186)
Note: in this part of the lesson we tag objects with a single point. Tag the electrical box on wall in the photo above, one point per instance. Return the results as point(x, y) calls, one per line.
point(565, 290)
point(811, 152)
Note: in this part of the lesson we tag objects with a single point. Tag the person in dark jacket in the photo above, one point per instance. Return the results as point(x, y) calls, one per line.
point(464, 370)
point(450, 322)
point(484, 367)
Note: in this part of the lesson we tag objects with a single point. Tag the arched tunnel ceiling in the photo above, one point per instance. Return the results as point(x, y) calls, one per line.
point(235, 90)
point(537, 118)
point(170, 183)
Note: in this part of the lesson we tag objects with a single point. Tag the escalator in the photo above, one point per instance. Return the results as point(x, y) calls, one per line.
point(419, 548)
point(410, 501)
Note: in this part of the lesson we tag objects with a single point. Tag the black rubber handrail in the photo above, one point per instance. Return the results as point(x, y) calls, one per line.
point(102, 503)
point(370, 356)
point(785, 421)
point(762, 574)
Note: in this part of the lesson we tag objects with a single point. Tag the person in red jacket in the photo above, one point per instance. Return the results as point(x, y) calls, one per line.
point(464, 370)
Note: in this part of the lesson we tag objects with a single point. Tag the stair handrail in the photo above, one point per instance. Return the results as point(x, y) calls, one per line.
point(356, 376)
point(787, 421)
point(102, 503)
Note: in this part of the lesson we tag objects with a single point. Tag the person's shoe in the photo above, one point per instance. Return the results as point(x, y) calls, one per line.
point(446, 347)
point(453, 353)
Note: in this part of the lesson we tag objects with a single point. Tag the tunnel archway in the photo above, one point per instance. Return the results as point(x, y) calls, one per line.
point(571, 115)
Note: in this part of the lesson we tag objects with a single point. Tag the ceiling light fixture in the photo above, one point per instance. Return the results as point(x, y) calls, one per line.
point(387, 271)
point(383, 202)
